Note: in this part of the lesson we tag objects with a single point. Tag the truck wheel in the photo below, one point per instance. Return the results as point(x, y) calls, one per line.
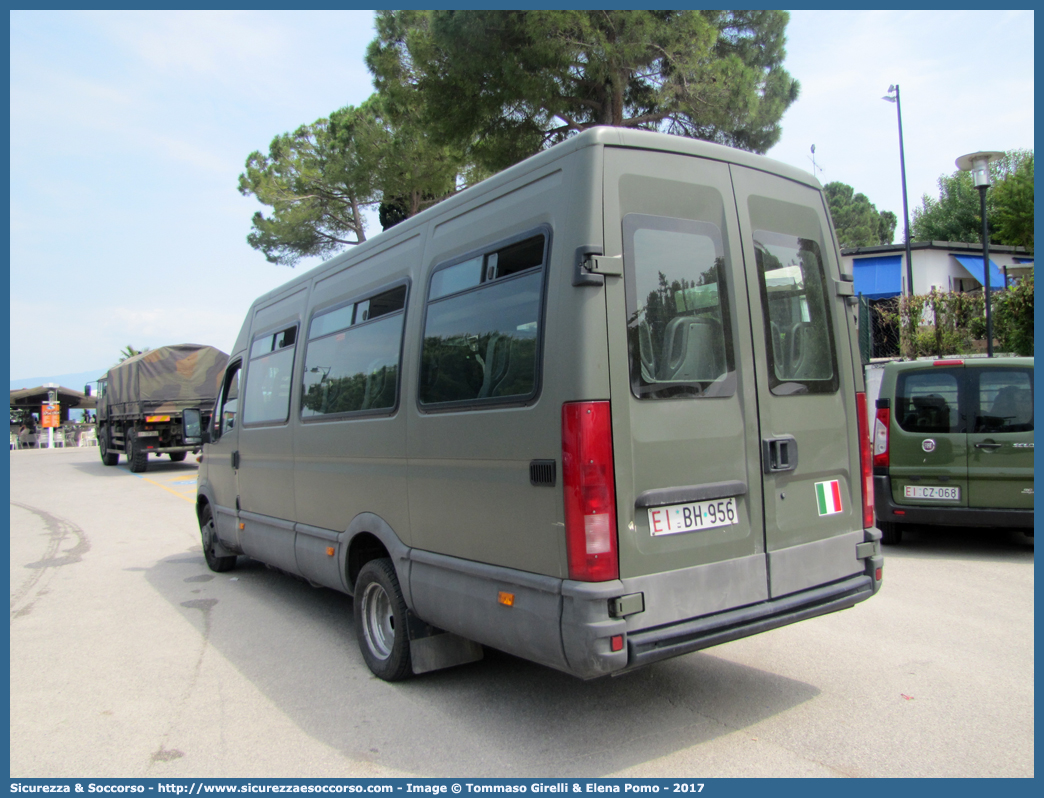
point(108, 458)
point(177, 457)
point(209, 534)
point(891, 533)
point(137, 458)
point(380, 621)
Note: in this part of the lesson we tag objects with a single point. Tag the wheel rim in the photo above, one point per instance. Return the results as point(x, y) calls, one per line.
point(208, 538)
point(378, 621)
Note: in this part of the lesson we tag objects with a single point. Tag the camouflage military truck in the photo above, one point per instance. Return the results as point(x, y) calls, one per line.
point(157, 402)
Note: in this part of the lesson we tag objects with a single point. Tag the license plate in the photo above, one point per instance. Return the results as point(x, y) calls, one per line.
point(931, 492)
point(676, 518)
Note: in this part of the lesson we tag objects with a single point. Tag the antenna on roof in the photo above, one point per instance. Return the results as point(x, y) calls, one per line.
point(815, 166)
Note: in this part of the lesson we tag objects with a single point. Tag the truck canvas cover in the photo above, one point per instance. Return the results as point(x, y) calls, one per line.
point(166, 380)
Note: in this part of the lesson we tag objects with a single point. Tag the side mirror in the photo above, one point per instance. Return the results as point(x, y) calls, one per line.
point(192, 426)
point(86, 390)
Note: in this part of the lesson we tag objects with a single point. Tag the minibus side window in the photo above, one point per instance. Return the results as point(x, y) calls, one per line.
point(352, 360)
point(797, 325)
point(482, 328)
point(225, 419)
point(679, 332)
point(267, 392)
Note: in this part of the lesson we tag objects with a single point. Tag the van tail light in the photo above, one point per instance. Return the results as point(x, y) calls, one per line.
point(865, 461)
point(884, 417)
point(590, 496)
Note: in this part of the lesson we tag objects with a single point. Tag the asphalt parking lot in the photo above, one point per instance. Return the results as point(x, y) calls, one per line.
point(129, 658)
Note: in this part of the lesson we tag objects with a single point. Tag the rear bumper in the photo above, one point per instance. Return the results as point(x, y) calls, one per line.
point(663, 642)
point(886, 509)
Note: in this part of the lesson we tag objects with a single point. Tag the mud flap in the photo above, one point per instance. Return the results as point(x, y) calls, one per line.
point(433, 649)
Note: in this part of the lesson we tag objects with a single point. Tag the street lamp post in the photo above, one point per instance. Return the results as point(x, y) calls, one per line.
point(893, 97)
point(978, 163)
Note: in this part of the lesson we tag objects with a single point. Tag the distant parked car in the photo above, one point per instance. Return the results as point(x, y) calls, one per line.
point(953, 445)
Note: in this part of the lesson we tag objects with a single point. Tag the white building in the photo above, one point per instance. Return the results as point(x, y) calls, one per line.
point(880, 271)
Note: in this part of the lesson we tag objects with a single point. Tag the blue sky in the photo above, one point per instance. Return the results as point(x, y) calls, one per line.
point(129, 130)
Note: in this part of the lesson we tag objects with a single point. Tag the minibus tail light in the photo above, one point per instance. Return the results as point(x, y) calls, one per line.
point(864, 461)
point(590, 496)
point(881, 437)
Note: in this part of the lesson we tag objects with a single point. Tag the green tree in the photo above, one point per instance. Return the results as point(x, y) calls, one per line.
point(956, 214)
point(502, 85)
point(129, 351)
point(316, 180)
point(1013, 206)
point(856, 220)
point(1013, 317)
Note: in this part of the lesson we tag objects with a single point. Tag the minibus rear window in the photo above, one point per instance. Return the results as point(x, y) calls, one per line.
point(797, 324)
point(679, 332)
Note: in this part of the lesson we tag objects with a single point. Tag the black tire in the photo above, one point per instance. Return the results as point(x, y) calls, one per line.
point(177, 457)
point(380, 621)
point(137, 458)
point(108, 458)
point(891, 533)
point(208, 532)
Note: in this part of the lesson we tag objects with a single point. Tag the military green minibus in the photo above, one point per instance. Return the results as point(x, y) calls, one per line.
point(601, 409)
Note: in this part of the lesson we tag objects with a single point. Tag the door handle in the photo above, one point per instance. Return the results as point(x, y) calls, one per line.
point(988, 445)
point(235, 459)
point(779, 454)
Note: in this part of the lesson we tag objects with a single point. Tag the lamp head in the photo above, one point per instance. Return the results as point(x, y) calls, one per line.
point(978, 163)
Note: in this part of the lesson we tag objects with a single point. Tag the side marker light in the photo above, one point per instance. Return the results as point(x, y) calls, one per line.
point(329, 551)
point(616, 642)
point(507, 599)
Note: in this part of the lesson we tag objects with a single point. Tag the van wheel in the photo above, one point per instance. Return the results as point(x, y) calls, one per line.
point(137, 458)
point(209, 534)
point(108, 458)
point(380, 621)
point(891, 533)
point(177, 457)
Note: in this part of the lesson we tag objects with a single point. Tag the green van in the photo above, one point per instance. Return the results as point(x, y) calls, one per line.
point(953, 444)
point(598, 410)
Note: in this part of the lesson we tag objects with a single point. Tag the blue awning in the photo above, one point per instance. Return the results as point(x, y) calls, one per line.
point(973, 263)
point(879, 278)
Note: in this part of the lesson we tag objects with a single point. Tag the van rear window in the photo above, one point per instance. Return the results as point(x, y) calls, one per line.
point(928, 401)
point(678, 323)
point(1005, 400)
point(482, 328)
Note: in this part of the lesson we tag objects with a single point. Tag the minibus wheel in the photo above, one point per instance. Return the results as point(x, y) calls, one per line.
point(380, 621)
point(209, 535)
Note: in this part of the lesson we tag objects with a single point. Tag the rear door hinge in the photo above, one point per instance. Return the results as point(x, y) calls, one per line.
point(631, 604)
point(611, 266)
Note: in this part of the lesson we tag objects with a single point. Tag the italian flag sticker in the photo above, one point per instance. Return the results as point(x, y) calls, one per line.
point(828, 494)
